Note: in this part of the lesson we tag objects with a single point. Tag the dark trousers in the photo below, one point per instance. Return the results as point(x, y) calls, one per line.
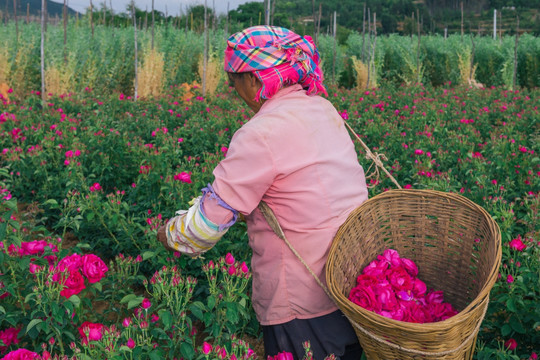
point(328, 334)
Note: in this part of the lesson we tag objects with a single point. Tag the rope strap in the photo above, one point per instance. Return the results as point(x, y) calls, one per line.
point(376, 158)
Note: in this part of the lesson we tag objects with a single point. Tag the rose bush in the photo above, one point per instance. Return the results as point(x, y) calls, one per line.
point(123, 177)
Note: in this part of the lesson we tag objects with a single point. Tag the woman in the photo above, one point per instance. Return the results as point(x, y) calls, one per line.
point(296, 155)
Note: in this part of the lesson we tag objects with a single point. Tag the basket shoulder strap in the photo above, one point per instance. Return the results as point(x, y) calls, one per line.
point(274, 224)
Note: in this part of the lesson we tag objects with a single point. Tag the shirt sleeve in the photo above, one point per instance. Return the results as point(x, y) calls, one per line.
point(244, 176)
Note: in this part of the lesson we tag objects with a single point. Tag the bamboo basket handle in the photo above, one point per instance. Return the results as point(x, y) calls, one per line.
point(274, 225)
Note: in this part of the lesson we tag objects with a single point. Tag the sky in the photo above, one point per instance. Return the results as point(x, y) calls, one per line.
point(171, 7)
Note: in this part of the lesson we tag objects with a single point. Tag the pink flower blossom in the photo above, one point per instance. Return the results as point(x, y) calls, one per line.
point(91, 331)
point(517, 244)
point(95, 187)
point(509, 279)
point(93, 268)
point(510, 344)
point(130, 343)
point(21, 354)
point(206, 348)
point(146, 303)
point(229, 259)
point(183, 177)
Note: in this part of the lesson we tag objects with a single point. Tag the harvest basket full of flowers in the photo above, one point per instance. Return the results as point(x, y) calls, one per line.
point(456, 247)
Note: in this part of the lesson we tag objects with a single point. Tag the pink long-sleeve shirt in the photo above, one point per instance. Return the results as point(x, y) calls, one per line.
point(296, 155)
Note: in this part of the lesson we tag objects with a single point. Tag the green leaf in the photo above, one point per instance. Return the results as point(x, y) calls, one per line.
point(135, 302)
point(506, 330)
point(156, 355)
point(232, 313)
point(90, 216)
point(75, 300)
point(211, 302)
point(52, 203)
point(511, 305)
point(33, 323)
point(2, 310)
point(148, 254)
point(197, 309)
point(98, 286)
point(516, 325)
point(187, 351)
point(127, 298)
point(166, 318)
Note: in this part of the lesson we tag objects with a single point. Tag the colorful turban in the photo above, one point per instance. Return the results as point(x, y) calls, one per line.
point(278, 57)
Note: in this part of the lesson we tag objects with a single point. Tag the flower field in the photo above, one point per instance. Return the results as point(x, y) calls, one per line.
point(87, 178)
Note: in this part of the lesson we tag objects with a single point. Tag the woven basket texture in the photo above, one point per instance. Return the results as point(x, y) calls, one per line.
point(457, 248)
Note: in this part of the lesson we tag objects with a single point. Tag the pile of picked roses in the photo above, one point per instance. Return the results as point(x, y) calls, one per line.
point(389, 286)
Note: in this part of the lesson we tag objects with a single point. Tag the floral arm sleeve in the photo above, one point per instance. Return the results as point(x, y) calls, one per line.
point(191, 232)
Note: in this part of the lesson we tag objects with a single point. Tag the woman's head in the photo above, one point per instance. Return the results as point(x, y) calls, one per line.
point(276, 57)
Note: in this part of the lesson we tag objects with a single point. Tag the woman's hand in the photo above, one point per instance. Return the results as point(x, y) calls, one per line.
point(162, 237)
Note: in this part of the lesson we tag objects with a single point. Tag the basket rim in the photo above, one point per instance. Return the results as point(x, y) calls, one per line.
point(461, 316)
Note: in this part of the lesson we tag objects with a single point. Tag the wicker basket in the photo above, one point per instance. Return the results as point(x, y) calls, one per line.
point(457, 248)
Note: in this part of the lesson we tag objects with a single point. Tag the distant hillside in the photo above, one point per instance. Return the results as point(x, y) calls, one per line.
point(53, 8)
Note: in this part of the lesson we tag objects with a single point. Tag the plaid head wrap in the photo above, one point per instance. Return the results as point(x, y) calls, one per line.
point(278, 57)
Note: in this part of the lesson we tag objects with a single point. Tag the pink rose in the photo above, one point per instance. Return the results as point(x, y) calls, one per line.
point(70, 263)
point(510, 344)
point(36, 247)
point(419, 288)
point(365, 297)
point(9, 336)
point(364, 280)
point(91, 331)
point(33, 268)
point(440, 311)
point(399, 278)
point(435, 297)
point(93, 268)
point(244, 268)
point(130, 343)
point(146, 303)
point(517, 244)
point(73, 284)
point(386, 297)
point(21, 354)
point(410, 266)
point(392, 257)
point(229, 259)
point(376, 268)
point(206, 348)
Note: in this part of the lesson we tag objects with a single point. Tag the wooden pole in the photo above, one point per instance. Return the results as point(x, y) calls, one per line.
point(418, 50)
point(514, 77)
point(136, 86)
point(112, 18)
point(205, 53)
point(92, 18)
point(318, 23)
point(227, 23)
point(27, 13)
point(42, 50)
point(462, 21)
point(64, 15)
point(495, 24)
point(364, 35)
point(335, 43)
point(472, 60)
point(16, 20)
point(153, 24)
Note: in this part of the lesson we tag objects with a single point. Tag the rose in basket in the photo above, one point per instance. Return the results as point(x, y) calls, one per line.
point(390, 287)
